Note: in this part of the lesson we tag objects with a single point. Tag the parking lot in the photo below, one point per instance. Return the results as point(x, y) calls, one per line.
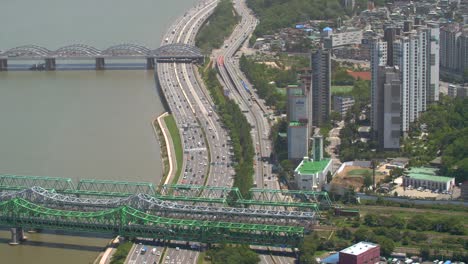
point(423, 194)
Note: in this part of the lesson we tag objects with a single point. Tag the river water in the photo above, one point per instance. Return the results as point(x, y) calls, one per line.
point(79, 124)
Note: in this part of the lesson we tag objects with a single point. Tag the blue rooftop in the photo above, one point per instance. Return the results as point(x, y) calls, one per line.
point(332, 259)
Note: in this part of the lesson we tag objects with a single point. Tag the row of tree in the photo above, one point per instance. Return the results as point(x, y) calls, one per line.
point(239, 132)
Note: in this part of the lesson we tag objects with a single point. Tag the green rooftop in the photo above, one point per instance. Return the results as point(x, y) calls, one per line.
point(422, 170)
point(296, 123)
point(425, 177)
point(312, 167)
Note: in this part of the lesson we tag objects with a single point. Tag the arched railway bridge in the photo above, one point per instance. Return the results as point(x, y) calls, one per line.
point(176, 52)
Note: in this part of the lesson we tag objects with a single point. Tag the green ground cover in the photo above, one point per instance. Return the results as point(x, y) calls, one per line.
point(341, 89)
point(175, 136)
point(359, 172)
point(218, 26)
point(121, 253)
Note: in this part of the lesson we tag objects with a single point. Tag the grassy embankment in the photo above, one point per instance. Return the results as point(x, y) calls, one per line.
point(217, 27)
point(176, 141)
point(121, 253)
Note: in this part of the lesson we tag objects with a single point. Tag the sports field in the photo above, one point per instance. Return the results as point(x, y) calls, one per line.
point(343, 89)
point(360, 172)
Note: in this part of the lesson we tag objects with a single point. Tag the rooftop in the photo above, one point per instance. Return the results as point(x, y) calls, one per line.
point(296, 123)
point(366, 75)
point(358, 248)
point(427, 177)
point(422, 170)
point(312, 167)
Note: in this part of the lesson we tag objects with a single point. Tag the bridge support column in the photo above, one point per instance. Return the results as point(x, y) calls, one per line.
point(100, 64)
point(150, 63)
point(50, 64)
point(3, 64)
point(17, 236)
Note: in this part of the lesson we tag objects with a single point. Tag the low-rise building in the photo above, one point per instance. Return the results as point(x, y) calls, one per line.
point(312, 175)
point(464, 190)
point(426, 178)
point(342, 104)
point(457, 91)
point(360, 253)
point(346, 36)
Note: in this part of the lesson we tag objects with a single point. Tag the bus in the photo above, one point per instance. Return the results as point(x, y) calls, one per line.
point(143, 250)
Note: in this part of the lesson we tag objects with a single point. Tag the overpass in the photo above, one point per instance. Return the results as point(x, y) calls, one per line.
point(181, 212)
point(176, 52)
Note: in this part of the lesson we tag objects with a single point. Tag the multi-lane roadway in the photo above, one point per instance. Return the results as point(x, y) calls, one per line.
point(207, 152)
point(255, 111)
point(204, 140)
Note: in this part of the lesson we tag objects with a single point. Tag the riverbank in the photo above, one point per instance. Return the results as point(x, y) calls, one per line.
point(165, 128)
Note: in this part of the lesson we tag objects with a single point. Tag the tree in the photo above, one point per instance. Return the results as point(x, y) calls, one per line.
point(329, 177)
point(367, 180)
point(233, 255)
point(371, 220)
point(307, 250)
point(335, 116)
point(345, 233)
point(396, 172)
point(386, 245)
point(419, 223)
point(363, 234)
point(425, 252)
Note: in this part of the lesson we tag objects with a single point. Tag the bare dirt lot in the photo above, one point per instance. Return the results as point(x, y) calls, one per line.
point(353, 176)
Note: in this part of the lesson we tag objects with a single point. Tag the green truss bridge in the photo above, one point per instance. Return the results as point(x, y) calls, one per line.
point(179, 212)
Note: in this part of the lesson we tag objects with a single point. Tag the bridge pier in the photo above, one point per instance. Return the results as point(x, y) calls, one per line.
point(50, 64)
point(17, 236)
point(100, 63)
point(3, 64)
point(150, 63)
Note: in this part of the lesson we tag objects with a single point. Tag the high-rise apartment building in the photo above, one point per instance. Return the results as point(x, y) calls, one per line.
point(388, 108)
point(448, 46)
point(321, 83)
point(434, 62)
point(415, 56)
point(462, 47)
point(299, 115)
point(454, 48)
point(378, 52)
point(390, 34)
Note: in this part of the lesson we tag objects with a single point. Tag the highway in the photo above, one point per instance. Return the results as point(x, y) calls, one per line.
point(255, 111)
point(207, 153)
point(203, 139)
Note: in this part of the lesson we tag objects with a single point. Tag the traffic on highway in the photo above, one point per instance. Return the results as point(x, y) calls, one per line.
point(206, 144)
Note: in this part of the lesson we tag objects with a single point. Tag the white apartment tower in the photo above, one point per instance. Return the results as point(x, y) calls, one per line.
point(416, 55)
